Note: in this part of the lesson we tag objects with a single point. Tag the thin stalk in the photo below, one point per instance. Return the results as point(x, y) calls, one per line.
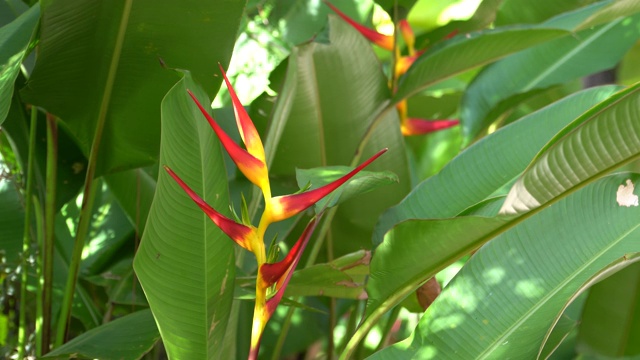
point(49, 217)
point(26, 236)
point(386, 333)
point(37, 209)
point(89, 191)
point(332, 305)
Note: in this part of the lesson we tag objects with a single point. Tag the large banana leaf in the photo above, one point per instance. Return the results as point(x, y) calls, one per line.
point(467, 180)
point(609, 325)
point(601, 140)
point(108, 56)
point(505, 83)
point(329, 113)
point(14, 41)
point(505, 299)
point(397, 267)
point(185, 263)
point(468, 51)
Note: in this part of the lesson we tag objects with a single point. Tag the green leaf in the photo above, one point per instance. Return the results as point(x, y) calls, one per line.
point(341, 278)
point(609, 324)
point(508, 151)
point(134, 191)
point(129, 337)
point(11, 220)
point(527, 12)
point(333, 106)
point(614, 10)
point(361, 183)
point(599, 141)
point(399, 267)
point(504, 300)
point(107, 58)
point(505, 83)
point(185, 263)
point(467, 51)
point(14, 43)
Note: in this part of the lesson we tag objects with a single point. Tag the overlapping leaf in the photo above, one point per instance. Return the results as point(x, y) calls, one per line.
point(503, 305)
point(505, 83)
point(185, 263)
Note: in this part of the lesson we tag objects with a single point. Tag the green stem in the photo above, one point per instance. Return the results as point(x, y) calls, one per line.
point(26, 237)
point(49, 218)
point(386, 334)
point(89, 192)
point(39, 271)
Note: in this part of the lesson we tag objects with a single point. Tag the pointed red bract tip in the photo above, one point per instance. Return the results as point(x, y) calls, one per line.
point(253, 168)
point(384, 41)
point(248, 131)
point(284, 207)
point(412, 127)
point(239, 233)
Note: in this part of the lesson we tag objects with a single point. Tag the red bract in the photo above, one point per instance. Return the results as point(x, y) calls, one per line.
point(287, 206)
point(384, 41)
point(279, 274)
point(239, 233)
point(248, 132)
point(253, 168)
point(421, 126)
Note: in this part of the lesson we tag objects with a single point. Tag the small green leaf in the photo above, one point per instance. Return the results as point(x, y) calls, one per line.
point(129, 337)
point(341, 278)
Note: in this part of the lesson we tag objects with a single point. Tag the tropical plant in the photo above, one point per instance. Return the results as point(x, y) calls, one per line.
point(508, 228)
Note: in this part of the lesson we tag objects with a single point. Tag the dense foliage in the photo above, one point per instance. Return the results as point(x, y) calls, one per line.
point(502, 221)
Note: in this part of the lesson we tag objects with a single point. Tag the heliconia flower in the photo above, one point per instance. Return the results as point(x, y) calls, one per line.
point(248, 131)
point(251, 166)
point(243, 235)
point(278, 273)
point(384, 41)
point(284, 207)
